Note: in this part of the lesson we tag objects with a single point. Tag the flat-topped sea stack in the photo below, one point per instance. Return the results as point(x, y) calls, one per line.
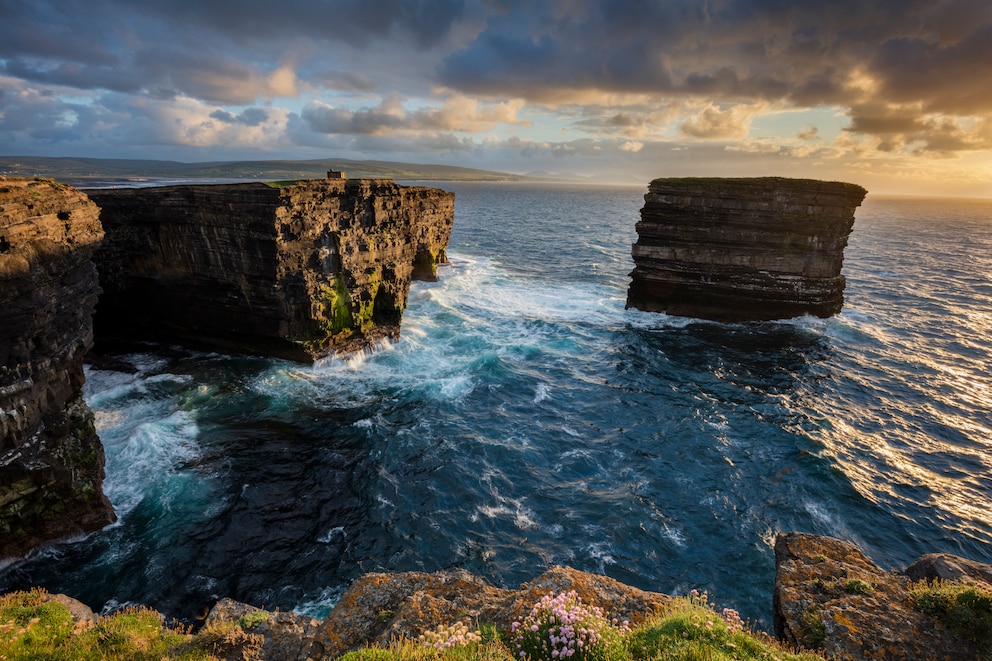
point(297, 271)
point(747, 249)
point(51, 460)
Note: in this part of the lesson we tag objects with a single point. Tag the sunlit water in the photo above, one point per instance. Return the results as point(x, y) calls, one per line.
point(526, 419)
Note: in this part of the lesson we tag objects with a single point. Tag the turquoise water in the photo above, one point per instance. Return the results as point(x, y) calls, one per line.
point(525, 419)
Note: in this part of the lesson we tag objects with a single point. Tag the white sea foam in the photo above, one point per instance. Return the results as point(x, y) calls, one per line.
point(332, 534)
point(541, 393)
point(321, 605)
point(146, 456)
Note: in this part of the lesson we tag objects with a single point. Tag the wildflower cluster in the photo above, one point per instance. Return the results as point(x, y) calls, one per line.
point(562, 627)
point(446, 637)
point(733, 620)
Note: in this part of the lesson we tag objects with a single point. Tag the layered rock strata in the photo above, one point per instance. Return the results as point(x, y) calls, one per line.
point(51, 460)
point(297, 271)
point(742, 249)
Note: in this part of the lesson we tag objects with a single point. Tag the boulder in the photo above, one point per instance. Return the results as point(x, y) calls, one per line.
point(831, 598)
point(380, 609)
point(947, 567)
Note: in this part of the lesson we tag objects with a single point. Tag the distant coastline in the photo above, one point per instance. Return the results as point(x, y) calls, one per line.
point(103, 172)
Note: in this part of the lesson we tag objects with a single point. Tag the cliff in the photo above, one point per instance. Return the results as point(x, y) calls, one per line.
point(51, 461)
point(297, 271)
point(742, 249)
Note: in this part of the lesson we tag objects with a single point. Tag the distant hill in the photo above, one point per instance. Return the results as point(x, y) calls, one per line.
point(83, 171)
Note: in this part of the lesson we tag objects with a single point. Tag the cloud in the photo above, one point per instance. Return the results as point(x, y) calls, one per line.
point(456, 114)
point(344, 80)
point(249, 117)
point(714, 123)
point(736, 50)
point(226, 52)
point(632, 146)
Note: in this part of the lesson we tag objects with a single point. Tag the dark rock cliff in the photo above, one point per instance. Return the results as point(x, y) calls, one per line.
point(742, 249)
point(297, 271)
point(51, 461)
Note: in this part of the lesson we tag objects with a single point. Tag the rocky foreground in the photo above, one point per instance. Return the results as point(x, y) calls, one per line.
point(747, 249)
point(828, 598)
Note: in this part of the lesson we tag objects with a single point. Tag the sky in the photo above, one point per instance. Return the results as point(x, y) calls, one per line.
point(894, 95)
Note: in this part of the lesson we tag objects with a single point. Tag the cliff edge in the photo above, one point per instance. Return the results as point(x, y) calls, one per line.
point(297, 271)
point(742, 249)
point(51, 460)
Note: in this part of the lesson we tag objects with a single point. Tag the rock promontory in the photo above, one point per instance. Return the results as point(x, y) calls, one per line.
point(746, 249)
point(297, 271)
point(51, 460)
point(832, 598)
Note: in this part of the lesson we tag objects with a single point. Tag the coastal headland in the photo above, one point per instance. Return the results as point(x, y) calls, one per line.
point(201, 254)
point(298, 271)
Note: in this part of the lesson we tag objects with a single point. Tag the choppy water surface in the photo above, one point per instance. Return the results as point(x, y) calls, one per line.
point(526, 419)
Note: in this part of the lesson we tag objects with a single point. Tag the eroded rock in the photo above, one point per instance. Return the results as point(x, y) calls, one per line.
point(380, 609)
point(51, 461)
point(298, 271)
point(742, 249)
point(830, 597)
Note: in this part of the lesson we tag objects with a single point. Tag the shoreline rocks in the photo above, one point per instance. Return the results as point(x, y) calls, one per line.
point(51, 460)
point(742, 249)
point(831, 598)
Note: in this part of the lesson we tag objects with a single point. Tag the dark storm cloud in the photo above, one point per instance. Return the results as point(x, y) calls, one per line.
point(352, 21)
point(803, 53)
point(191, 46)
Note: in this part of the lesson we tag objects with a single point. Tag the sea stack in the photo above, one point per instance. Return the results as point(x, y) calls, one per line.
point(747, 249)
point(51, 460)
point(298, 271)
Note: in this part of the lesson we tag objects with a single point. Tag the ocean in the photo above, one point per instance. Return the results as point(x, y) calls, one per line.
point(525, 419)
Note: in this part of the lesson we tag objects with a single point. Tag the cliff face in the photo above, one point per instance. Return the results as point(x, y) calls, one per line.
point(297, 271)
point(51, 461)
point(742, 249)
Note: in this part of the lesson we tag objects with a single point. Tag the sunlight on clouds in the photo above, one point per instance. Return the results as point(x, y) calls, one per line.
point(459, 114)
point(189, 122)
point(633, 146)
point(714, 123)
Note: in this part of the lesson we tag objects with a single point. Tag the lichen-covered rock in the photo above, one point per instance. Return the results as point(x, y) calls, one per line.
point(278, 635)
point(51, 461)
point(379, 609)
point(948, 567)
point(382, 608)
point(742, 249)
point(830, 597)
point(298, 271)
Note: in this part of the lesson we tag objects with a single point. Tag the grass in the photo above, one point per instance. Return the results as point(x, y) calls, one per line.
point(687, 630)
point(33, 628)
point(964, 609)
